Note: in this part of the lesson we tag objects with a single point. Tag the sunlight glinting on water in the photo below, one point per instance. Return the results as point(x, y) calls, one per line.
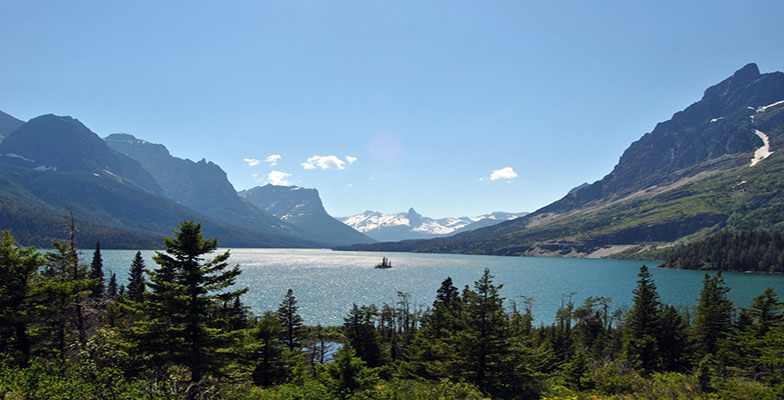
point(327, 283)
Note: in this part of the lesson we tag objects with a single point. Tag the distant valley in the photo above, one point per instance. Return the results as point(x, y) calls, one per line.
point(715, 166)
point(129, 192)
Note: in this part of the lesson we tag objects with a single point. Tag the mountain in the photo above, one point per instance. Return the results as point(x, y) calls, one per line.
point(303, 208)
point(412, 225)
point(717, 165)
point(8, 124)
point(51, 164)
point(201, 186)
point(64, 144)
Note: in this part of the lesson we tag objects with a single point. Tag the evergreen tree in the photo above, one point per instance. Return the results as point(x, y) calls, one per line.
point(362, 336)
point(111, 288)
point(60, 300)
point(757, 343)
point(18, 268)
point(643, 322)
point(136, 285)
point(290, 320)
point(348, 374)
point(713, 322)
point(445, 307)
point(96, 273)
point(185, 291)
point(673, 341)
point(432, 348)
point(269, 367)
point(767, 312)
point(484, 342)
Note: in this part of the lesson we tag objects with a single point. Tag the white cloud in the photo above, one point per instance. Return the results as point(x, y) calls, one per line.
point(278, 178)
point(273, 159)
point(503, 173)
point(251, 161)
point(327, 162)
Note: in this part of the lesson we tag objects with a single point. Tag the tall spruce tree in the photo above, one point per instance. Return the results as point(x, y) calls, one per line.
point(185, 291)
point(767, 313)
point(268, 358)
point(136, 279)
point(96, 273)
point(111, 288)
point(290, 320)
point(359, 328)
point(643, 322)
point(484, 344)
point(713, 322)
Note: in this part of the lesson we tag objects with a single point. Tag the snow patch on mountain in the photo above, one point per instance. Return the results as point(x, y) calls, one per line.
point(764, 151)
point(765, 108)
point(412, 225)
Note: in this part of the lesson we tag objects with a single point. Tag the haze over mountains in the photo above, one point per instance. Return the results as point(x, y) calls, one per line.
point(714, 166)
point(128, 192)
point(302, 208)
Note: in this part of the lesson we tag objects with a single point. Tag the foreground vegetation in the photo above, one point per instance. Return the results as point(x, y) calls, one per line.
point(180, 330)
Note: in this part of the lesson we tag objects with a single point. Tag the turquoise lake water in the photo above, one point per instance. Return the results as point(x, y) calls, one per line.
point(326, 283)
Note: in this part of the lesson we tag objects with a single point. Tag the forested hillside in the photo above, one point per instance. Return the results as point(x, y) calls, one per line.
point(693, 175)
point(179, 329)
point(748, 251)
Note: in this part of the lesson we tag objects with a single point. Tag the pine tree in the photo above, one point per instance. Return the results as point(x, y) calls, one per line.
point(445, 307)
point(484, 342)
point(136, 285)
point(643, 322)
point(111, 288)
point(268, 364)
point(185, 290)
point(673, 340)
point(18, 267)
point(96, 273)
point(714, 315)
point(767, 312)
point(60, 300)
point(348, 374)
point(359, 328)
point(290, 320)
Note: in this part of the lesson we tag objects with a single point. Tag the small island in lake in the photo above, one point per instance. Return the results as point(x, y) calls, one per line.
point(385, 263)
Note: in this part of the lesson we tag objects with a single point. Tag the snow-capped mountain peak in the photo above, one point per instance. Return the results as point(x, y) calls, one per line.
point(412, 225)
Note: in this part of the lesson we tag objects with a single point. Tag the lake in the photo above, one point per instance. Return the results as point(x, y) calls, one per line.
point(326, 283)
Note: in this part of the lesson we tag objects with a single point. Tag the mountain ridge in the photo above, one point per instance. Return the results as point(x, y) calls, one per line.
point(412, 225)
point(54, 164)
point(303, 208)
point(676, 183)
point(202, 186)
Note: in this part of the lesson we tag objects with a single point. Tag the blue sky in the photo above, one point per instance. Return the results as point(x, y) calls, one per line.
point(453, 108)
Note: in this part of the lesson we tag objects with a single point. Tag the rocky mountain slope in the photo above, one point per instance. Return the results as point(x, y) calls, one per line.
point(8, 124)
point(714, 166)
point(303, 208)
point(412, 225)
point(201, 186)
point(51, 164)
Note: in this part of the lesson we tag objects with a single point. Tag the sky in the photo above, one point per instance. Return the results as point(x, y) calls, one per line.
point(453, 108)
